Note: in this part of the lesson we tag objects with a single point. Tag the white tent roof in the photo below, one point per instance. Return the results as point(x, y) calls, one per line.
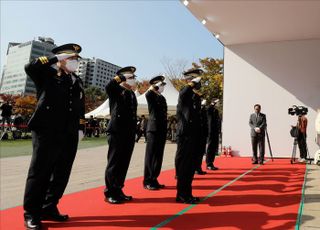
point(170, 93)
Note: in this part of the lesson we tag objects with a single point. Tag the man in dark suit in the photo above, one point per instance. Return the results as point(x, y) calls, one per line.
point(121, 132)
point(188, 132)
point(214, 130)
point(258, 124)
point(57, 124)
point(156, 133)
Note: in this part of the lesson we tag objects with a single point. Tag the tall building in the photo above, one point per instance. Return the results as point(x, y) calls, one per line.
point(93, 71)
point(96, 72)
point(14, 79)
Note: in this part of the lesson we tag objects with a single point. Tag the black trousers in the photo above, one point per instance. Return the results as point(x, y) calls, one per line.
point(50, 168)
point(201, 150)
point(185, 159)
point(258, 141)
point(212, 149)
point(154, 156)
point(302, 143)
point(119, 155)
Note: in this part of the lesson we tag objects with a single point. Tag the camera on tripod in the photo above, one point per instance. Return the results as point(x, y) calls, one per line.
point(297, 110)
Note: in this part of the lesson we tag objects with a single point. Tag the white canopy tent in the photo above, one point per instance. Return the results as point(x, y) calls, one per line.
point(170, 93)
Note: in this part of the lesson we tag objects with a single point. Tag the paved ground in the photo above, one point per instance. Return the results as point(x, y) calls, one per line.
point(88, 172)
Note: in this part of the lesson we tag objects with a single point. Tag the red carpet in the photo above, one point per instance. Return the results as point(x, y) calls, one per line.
point(266, 197)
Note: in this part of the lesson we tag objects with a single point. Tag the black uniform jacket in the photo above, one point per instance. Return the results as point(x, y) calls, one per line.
point(123, 108)
point(188, 112)
point(157, 107)
point(60, 103)
point(214, 121)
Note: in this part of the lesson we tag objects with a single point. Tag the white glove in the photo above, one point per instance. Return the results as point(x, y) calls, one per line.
point(127, 75)
point(257, 130)
point(158, 84)
point(81, 135)
point(196, 80)
point(64, 56)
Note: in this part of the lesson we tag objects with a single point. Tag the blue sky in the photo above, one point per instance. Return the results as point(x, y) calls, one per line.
point(139, 33)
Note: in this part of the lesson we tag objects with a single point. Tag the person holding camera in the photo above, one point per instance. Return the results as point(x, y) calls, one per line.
point(258, 124)
point(302, 135)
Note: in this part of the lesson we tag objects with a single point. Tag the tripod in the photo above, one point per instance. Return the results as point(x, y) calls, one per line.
point(269, 145)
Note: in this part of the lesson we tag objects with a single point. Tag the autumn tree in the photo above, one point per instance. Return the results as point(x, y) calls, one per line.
point(94, 97)
point(212, 80)
point(25, 105)
point(142, 86)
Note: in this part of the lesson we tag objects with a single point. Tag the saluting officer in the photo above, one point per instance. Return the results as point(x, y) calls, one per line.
point(203, 138)
point(57, 124)
point(188, 132)
point(120, 132)
point(156, 133)
point(214, 130)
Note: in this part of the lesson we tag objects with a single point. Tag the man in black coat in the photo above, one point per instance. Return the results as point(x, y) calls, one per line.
point(156, 133)
point(6, 112)
point(55, 125)
point(188, 132)
point(203, 138)
point(121, 132)
point(214, 130)
point(258, 124)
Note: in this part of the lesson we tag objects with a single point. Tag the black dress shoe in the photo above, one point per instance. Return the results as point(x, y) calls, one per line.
point(53, 215)
point(151, 187)
point(186, 200)
point(160, 186)
point(255, 162)
point(200, 172)
point(196, 199)
point(32, 223)
point(261, 162)
point(212, 167)
point(113, 200)
point(124, 197)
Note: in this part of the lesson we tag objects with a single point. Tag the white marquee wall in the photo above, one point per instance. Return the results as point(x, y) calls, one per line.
point(276, 75)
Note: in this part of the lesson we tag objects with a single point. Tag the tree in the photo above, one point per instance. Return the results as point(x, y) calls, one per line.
point(25, 105)
point(93, 98)
point(212, 80)
point(174, 69)
point(142, 86)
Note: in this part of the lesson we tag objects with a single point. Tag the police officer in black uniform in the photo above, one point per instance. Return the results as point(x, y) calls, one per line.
point(214, 130)
point(203, 137)
point(55, 125)
point(156, 133)
point(188, 130)
point(120, 133)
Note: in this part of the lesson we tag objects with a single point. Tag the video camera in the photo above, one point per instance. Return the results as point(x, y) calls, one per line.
point(297, 110)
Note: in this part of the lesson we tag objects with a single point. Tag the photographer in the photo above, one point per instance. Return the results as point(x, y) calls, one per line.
point(302, 135)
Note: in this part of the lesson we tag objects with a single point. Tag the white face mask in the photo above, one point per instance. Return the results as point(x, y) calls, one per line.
point(161, 88)
point(131, 82)
point(72, 65)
